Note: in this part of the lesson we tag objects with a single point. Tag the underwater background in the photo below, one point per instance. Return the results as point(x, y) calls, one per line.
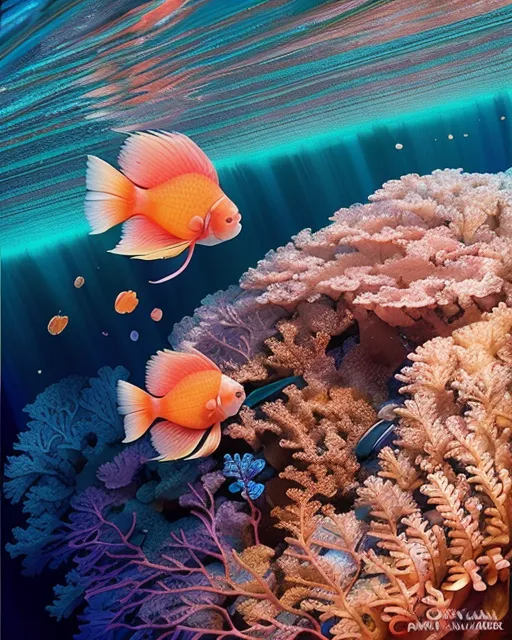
point(304, 107)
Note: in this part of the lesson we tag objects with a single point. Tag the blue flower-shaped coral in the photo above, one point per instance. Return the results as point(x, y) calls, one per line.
point(244, 469)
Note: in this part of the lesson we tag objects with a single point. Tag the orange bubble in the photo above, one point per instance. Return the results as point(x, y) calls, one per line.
point(126, 302)
point(79, 282)
point(157, 314)
point(57, 325)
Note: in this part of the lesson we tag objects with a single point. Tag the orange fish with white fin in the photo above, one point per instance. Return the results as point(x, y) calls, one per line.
point(168, 197)
point(190, 395)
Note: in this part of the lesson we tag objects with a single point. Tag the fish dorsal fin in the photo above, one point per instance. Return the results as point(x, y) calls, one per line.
point(167, 368)
point(154, 157)
point(142, 236)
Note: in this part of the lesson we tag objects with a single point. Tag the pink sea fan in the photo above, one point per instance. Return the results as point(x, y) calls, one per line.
point(427, 254)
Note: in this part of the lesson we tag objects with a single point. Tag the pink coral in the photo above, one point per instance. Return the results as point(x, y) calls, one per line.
point(427, 255)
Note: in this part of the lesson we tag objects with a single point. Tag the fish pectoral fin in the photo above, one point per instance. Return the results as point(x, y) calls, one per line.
point(211, 405)
point(210, 444)
point(167, 368)
point(196, 225)
point(175, 274)
point(142, 236)
point(170, 251)
point(173, 442)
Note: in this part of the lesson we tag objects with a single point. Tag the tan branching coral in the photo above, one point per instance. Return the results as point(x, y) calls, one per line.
point(428, 254)
point(455, 446)
point(320, 428)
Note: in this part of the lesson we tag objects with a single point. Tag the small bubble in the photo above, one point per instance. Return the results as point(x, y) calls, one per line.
point(134, 336)
point(104, 333)
point(450, 136)
point(502, 118)
point(39, 371)
point(466, 135)
point(399, 146)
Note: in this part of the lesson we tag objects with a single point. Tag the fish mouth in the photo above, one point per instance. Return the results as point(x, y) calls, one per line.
point(212, 240)
point(236, 231)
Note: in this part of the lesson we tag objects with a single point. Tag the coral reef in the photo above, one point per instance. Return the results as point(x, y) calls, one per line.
point(73, 446)
point(435, 549)
point(313, 428)
point(72, 422)
point(389, 326)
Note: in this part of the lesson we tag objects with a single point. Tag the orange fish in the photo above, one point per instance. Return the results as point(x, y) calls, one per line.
point(190, 395)
point(169, 198)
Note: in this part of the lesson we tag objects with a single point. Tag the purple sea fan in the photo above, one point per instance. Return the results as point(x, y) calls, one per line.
point(229, 327)
point(122, 469)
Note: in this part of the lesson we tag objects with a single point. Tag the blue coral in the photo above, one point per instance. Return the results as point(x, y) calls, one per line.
point(71, 423)
point(244, 469)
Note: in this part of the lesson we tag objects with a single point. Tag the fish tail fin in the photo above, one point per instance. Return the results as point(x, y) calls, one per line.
point(110, 197)
point(138, 407)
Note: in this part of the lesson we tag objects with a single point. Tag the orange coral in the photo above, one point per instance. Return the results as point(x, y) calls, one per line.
point(455, 444)
point(320, 428)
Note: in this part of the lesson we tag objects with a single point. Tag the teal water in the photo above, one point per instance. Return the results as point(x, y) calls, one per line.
point(279, 194)
point(241, 77)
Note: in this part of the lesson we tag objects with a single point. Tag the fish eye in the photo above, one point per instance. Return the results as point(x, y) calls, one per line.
point(229, 220)
point(238, 394)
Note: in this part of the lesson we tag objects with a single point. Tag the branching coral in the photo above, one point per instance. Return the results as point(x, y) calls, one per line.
point(320, 428)
point(187, 587)
point(71, 444)
point(427, 255)
point(455, 445)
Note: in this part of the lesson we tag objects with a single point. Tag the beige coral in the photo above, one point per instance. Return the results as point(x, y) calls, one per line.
point(454, 443)
point(320, 428)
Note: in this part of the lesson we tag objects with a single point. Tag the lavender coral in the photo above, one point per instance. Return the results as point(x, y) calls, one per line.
point(230, 327)
point(187, 587)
